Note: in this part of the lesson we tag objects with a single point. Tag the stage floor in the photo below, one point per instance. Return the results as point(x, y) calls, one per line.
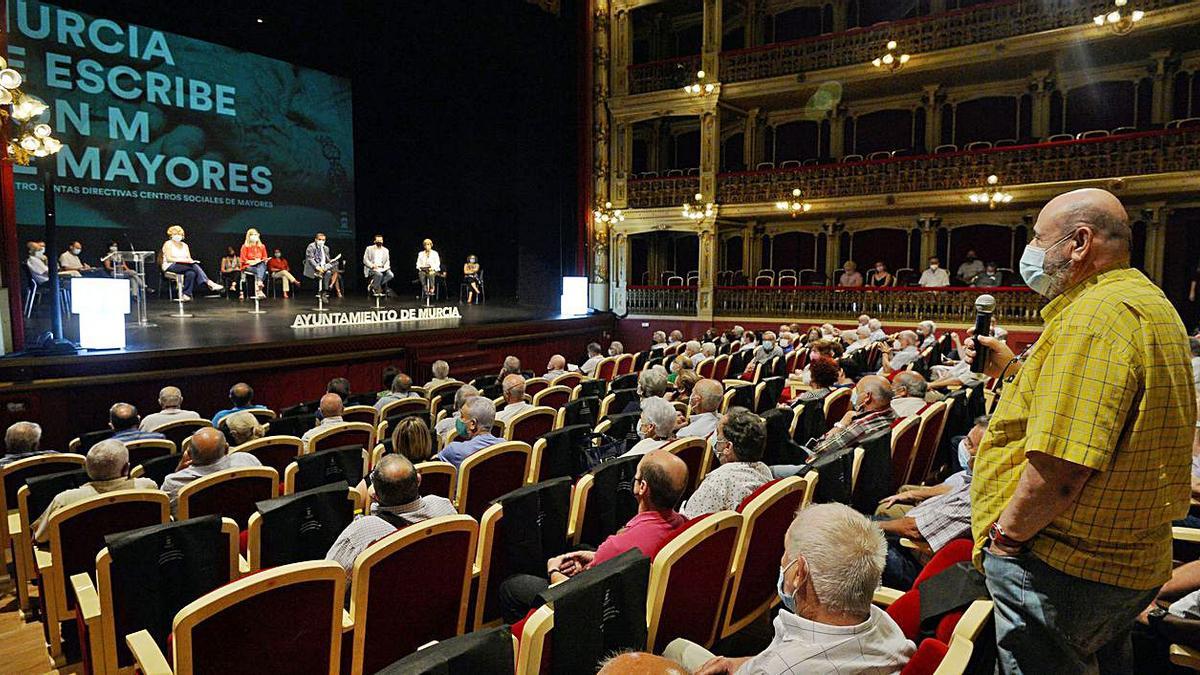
point(219, 322)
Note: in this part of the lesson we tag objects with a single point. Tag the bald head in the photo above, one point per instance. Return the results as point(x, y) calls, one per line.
point(241, 395)
point(331, 405)
point(1083, 232)
point(640, 663)
point(663, 477)
point(123, 416)
point(557, 362)
point(170, 397)
point(706, 396)
point(395, 481)
point(1088, 207)
point(878, 389)
point(513, 387)
point(208, 445)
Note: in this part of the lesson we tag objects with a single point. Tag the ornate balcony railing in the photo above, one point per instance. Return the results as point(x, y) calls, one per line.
point(651, 192)
point(673, 300)
point(1014, 305)
point(919, 35)
point(1133, 154)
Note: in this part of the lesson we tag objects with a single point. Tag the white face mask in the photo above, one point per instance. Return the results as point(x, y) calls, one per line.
point(76, 251)
point(321, 242)
point(177, 237)
point(41, 253)
point(1033, 266)
point(254, 239)
point(113, 247)
point(933, 266)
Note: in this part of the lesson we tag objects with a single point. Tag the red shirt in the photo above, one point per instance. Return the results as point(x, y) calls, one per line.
point(277, 264)
point(647, 531)
point(252, 252)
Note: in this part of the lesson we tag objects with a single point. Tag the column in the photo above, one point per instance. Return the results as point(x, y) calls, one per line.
point(751, 251)
point(1162, 100)
point(752, 146)
point(840, 15)
point(832, 229)
point(1155, 217)
point(654, 147)
point(752, 30)
point(1041, 86)
point(933, 116)
point(599, 242)
point(620, 272)
point(622, 157)
point(937, 6)
point(710, 44)
point(710, 149)
point(708, 270)
point(622, 51)
point(928, 224)
point(837, 133)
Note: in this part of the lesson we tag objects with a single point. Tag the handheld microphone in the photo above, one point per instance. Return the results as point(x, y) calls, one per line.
point(984, 306)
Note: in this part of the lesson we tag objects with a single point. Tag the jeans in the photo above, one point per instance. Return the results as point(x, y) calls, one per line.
point(902, 566)
point(192, 275)
point(380, 279)
point(1048, 621)
point(517, 595)
point(259, 271)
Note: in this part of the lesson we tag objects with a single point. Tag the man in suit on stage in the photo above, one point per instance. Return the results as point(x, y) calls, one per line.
point(317, 263)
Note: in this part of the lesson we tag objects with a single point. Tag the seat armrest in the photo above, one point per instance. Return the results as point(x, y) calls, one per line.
point(243, 566)
point(44, 560)
point(884, 596)
point(1185, 656)
point(1188, 534)
point(14, 524)
point(86, 597)
point(150, 659)
point(347, 622)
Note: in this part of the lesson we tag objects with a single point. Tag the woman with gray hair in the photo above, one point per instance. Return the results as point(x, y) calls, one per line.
point(656, 426)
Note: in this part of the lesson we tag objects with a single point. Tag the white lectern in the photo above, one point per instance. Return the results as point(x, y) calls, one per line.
point(101, 304)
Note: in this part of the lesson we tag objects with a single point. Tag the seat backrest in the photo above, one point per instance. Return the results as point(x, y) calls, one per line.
point(688, 581)
point(872, 479)
point(588, 388)
point(581, 411)
point(905, 611)
point(328, 466)
point(489, 473)
point(608, 503)
point(437, 478)
point(778, 447)
point(606, 369)
point(529, 425)
point(17, 473)
point(768, 395)
point(180, 429)
point(224, 631)
point(292, 426)
point(616, 402)
point(535, 384)
point(695, 453)
point(810, 421)
point(482, 651)
point(231, 493)
point(367, 414)
point(146, 576)
point(560, 452)
point(567, 379)
point(156, 469)
point(837, 404)
point(767, 513)
point(933, 420)
point(298, 527)
point(43, 489)
point(552, 397)
point(904, 442)
point(273, 451)
point(721, 367)
point(623, 382)
point(149, 448)
point(347, 433)
point(390, 621)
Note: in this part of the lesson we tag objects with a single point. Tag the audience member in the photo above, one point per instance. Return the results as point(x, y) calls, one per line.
point(474, 427)
point(511, 366)
point(396, 502)
point(341, 387)
point(460, 399)
point(926, 334)
point(900, 353)
point(970, 268)
point(679, 364)
point(556, 367)
point(658, 484)
point(385, 380)
point(877, 334)
point(244, 427)
point(684, 383)
point(331, 409)
point(411, 438)
point(208, 454)
point(652, 383)
point(934, 276)
point(639, 663)
point(675, 338)
point(850, 275)
point(169, 401)
point(908, 394)
point(822, 376)
point(513, 388)
point(749, 341)
point(739, 444)
point(691, 349)
point(124, 420)
point(902, 502)
point(658, 343)
point(1194, 345)
point(705, 402)
point(594, 358)
point(990, 277)
point(832, 562)
point(441, 374)
point(768, 350)
point(107, 466)
point(862, 340)
point(401, 389)
point(869, 417)
point(656, 426)
point(241, 395)
point(879, 276)
point(22, 440)
point(708, 350)
point(864, 319)
point(615, 348)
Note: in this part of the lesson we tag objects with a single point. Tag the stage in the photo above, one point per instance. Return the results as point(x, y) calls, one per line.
point(222, 344)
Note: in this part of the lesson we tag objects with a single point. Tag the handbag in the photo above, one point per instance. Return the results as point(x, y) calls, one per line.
point(596, 449)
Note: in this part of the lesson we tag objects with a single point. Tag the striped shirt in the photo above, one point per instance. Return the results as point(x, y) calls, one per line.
point(947, 516)
point(875, 646)
point(366, 530)
point(865, 427)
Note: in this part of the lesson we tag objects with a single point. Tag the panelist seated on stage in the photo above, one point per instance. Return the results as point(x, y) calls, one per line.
point(280, 269)
point(472, 279)
point(253, 259)
point(231, 268)
point(177, 259)
point(319, 265)
point(117, 267)
point(377, 266)
point(429, 265)
point(36, 262)
point(71, 265)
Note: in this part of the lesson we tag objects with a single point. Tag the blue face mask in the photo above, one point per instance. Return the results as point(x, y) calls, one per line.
point(1033, 266)
point(768, 345)
point(964, 457)
point(789, 601)
point(461, 427)
point(854, 399)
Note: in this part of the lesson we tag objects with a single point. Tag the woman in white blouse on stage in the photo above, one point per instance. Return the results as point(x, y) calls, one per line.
point(177, 259)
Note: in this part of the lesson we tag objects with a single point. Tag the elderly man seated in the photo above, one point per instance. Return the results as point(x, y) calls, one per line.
point(832, 562)
point(870, 417)
point(170, 402)
point(107, 467)
point(125, 422)
point(22, 440)
point(555, 367)
point(862, 340)
point(460, 397)
point(766, 351)
point(474, 427)
point(396, 502)
point(595, 356)
point(926, 334)
point(513, 388)
point(208, 454)
point(900, 353)
point(908, 394)
point(441, 374)
point(400, 389)
point(656, 426)
point(511, 366)
point(739, 444)
point(658, 484)
point(330, 409)
point(705, 402)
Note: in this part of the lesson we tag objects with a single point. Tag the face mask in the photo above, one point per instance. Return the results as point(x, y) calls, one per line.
point(76, 251)
point(789, 601)
point(718, 446)
point(278, 254)
point(970, 258)
point(41, 253)
point(321, 242)
point(641, 432)
point(933, 267)
point(177, 237)
point(964, 457)
point(112, 248)
point(879, 269)
point(461, 427)
point(379, 243)
point(1033, 266)
point(612, 352)
point(854, 399)
point(254, 239)
point(896, 345)
point(768, 345)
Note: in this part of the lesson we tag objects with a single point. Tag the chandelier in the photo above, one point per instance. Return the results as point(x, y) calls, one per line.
point(891, 61)
point(699, 87)
point(697, 209)
point(608, 215)
point(1120, 22)
point(992, 194)
point(795, 205)
point(32, 139)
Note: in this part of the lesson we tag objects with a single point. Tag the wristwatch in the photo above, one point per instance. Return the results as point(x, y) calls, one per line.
point(998, 536)
point(1155, 618)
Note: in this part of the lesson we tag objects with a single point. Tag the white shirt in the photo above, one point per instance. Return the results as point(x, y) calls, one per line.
point(429, 259)
point(376, 256)
point(857, 345)
point(38, 269)
point(589, 366)
point(907, 406)
point(725, 487)
point(700, 425)
point(512, 410)
point(325, 423)
point(876, 645)
point(902, 358)
point(167, 415)
point(646, 445)
point(1196, 373)
point(69, 261)
point(175, 252)
point(697, 359)
point(934, 278)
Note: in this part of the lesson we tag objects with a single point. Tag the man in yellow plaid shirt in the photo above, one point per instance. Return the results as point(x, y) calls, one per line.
point(1087, 459)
